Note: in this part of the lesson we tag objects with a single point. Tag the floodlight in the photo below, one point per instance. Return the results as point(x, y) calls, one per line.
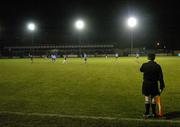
point(132, 22)
point(31, 26)
point(79, 24)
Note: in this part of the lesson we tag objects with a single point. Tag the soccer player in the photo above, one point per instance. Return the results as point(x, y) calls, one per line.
point(65, 59)
point(31, 57)
point(137, 58)
point(137, 55)
point(106, 56)
point(152, 74)
point(116, 56)
point(85, 58)
point(53, 57)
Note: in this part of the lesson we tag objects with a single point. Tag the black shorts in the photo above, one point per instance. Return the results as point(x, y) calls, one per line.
point(150, 89)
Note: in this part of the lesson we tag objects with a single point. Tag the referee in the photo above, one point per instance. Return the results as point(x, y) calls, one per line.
point(152, 74)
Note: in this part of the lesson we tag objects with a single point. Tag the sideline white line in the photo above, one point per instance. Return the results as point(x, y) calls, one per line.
point(91, 117)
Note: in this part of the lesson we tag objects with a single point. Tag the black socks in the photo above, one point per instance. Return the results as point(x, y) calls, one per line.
point(147, 106)
point(153, 106)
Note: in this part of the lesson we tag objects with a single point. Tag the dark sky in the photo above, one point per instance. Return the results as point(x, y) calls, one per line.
point(158, 21)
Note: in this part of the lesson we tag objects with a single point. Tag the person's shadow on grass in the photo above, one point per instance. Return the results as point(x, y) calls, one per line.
point(173, 115)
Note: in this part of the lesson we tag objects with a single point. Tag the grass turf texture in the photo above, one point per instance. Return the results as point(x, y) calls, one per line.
point(103, 87)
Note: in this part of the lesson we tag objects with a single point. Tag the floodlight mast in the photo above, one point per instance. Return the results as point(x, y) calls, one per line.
point(132, 23)
point(79, 26)
point(31, 27)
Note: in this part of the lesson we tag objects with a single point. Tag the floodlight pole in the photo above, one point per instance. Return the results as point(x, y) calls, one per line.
point(132, 23)
point(132, 37)
point(31, 27)
point(79, 25)
point(32, 42)
point(79, 41)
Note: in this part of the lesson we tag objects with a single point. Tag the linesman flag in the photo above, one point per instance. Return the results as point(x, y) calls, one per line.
point(159, 105)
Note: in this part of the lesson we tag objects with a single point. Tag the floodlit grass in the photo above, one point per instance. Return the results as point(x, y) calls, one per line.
point(102, 87)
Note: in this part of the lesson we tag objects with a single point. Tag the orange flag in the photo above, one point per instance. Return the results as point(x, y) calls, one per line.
point(159, 105)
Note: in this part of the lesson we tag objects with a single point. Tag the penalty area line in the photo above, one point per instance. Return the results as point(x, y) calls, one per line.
point(89, 117)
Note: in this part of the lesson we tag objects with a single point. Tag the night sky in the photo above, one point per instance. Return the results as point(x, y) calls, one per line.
point(158, 21)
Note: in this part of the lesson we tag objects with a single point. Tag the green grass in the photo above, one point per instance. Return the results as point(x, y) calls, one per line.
point(106, 88)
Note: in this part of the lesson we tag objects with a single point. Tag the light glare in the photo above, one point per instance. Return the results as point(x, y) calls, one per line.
point(79, 24)
point(132, 22)
point(31, 26)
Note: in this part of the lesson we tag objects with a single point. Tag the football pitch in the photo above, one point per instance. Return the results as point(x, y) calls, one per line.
point(103, 92)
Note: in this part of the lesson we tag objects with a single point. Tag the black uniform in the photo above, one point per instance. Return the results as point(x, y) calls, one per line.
point(152, 74)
